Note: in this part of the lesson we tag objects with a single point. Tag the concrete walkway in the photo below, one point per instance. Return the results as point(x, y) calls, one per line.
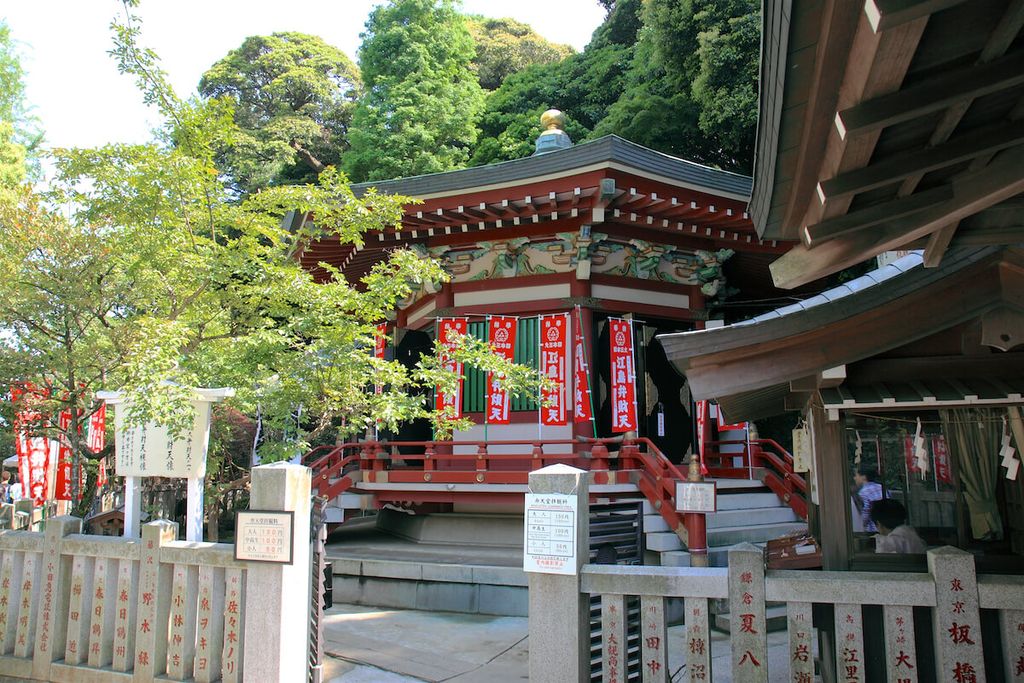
point(367, 645)
point(389, 646)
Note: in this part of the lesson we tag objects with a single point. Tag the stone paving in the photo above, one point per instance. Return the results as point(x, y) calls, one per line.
point(367, 645)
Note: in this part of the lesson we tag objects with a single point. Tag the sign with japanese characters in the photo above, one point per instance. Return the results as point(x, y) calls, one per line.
point(447, 330)
point(696, 496)
point(32, 448)
point(380, 345)
point(554, 334)
point(264, 536)
point(549, 543)
point(501, 334)
point(943, 471)
point(150, 451)
point(623, 375)
point(62, 488)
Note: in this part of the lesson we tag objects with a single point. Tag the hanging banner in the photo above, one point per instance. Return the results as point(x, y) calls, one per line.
point(452, 402)
point(943, 471)
point(97, 439)
point(908, 454)
point(501, 334)
point(380, 345)
point(581, 379)
point(623, 374)
point(33, 451)
point(554, 336)
point(62, 488)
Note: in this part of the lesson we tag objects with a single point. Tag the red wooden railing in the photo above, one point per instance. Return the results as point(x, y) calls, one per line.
point(763, 459)
point(336, 469)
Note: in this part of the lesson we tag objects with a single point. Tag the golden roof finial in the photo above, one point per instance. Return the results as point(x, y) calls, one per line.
point(552, 119)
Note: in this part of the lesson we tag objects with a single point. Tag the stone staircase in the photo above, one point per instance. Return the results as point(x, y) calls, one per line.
point(747, 513)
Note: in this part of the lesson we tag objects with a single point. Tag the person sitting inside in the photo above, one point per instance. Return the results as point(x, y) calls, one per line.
point(894, 535)
point(869, 491)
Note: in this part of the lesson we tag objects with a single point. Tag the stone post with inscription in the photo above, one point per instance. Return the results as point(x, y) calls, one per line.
point(957, 621)
point(559, 613)
point(54, 595)
point(276, 595)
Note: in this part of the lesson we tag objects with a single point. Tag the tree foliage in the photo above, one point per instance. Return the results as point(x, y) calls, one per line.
point(422, 100)
point(19, 130)
point(293, 97)
point(139, 269)
point(679, 76)
point(506, 46)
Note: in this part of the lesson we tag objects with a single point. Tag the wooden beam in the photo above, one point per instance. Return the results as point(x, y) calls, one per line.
point(938, 242)
point(887, 14)
point(933, 95)
point(996, 46)
point(813, 235)
point(906, 164)
point(972, 192)
point(875, 66)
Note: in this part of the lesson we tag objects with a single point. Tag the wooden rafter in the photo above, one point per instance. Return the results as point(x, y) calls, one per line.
point(972, 192)
point(933, 95)
point(888, 14)
point(874, 215)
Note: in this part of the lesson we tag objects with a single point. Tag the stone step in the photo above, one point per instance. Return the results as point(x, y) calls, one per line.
point(774, 617)
point(731, 518)
point(739, 501)
point(758, 516)
point(752, 534)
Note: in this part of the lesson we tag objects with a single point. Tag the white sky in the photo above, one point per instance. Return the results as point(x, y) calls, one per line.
point(82, 101)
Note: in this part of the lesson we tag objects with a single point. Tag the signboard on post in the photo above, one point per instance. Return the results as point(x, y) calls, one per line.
point(696, 496)
point(264, 536)
point(549, 543)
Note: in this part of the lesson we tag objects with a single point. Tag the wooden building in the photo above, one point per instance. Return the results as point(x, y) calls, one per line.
point(608, 226)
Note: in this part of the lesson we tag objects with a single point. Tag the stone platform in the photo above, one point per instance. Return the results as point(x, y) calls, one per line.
point(468, 563)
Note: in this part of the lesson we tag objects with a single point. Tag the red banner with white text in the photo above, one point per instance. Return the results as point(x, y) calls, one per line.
point(501, 334)
point(62, 487)
point(623, 375)
point(943, 470)
point(98, 429)
point(442, 401)
point(554, 338)
point(33, 450)
point(581, 378)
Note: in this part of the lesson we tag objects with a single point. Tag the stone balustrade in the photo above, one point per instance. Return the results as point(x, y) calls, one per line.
point(847, 620)
point(76, 607)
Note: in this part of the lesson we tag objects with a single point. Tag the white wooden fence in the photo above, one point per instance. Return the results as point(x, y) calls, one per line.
point(77, 607)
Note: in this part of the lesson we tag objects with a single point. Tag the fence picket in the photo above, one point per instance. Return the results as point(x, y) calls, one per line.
point(900, 648)
point(101, 628)
point(79, 610)
point(653, 648)
point(210, 624)
point(614, 646)
point(10, 579)
point(124, 619)
point(698, 640)
point(849, 643)
point(747, 610)
point(182, 643)
point(801, 648)
point(25, 634)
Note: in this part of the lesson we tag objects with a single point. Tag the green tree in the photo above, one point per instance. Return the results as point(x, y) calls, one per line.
point(709, 51)
point(583, 86)
point(506, 46)
point(138, 269)
point(293, 97)
point(422, 100)
point(19, 130)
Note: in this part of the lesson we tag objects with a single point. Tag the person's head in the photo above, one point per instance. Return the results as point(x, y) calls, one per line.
point(864, 475)
point(887, 514)
point(6, 477)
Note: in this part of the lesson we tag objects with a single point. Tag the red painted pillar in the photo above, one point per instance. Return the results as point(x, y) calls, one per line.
point(696, 524)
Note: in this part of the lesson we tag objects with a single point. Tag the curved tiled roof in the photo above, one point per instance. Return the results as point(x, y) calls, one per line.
point(605, 150)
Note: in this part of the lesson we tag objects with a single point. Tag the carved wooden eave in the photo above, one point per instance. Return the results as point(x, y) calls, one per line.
point(888, 125)
point(623, 189)
point(753, 368)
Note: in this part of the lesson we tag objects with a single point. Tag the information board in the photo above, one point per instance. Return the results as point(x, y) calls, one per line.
point(549, 533)
point(696, 496)
point(264, 536)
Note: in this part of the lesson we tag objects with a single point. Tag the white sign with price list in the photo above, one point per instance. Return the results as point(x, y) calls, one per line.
point(549, 533)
